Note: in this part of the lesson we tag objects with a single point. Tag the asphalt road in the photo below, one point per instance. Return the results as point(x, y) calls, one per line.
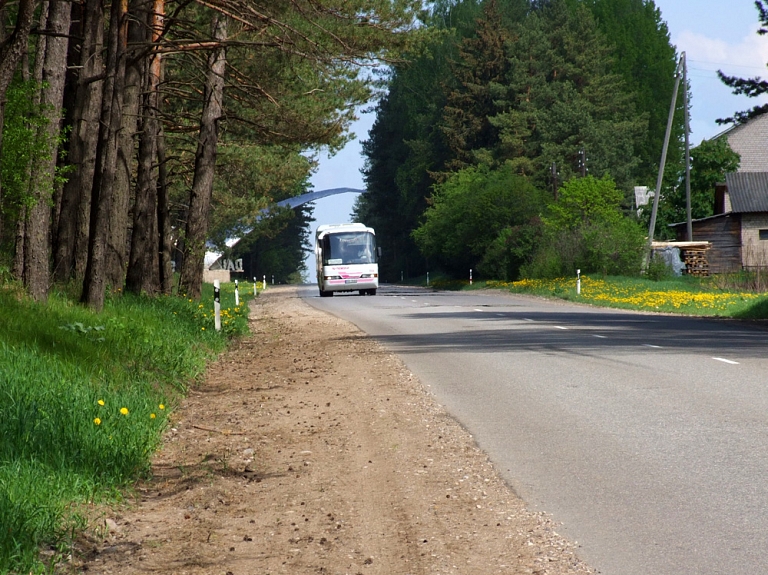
point(646, 435)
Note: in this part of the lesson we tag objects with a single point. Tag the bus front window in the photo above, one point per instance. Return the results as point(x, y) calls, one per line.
point(349, 248)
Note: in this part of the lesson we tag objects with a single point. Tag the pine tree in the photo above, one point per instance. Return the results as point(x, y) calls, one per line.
point(562, 97)
point(751, 87)
point(643, 55)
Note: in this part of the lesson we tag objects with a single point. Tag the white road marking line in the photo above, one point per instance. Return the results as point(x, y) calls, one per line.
point(651, 346)
point(726, 360)
point(478, 310)
point(526, 319)
point(600, 336)
point(560, 327)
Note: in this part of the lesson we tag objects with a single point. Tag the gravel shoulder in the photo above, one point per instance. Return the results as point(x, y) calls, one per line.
point(310, 449)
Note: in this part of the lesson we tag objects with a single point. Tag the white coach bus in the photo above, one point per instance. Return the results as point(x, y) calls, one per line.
point(347, 259)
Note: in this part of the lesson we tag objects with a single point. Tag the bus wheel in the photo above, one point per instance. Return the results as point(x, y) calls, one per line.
point(372, 291)
point(326, 293)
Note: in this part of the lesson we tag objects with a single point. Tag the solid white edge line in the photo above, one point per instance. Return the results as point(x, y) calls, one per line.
point(726, 360)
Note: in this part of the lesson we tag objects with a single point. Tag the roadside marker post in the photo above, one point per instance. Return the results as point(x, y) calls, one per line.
point(264, 284)
point(578, 282)
point(255, 289)
point(237, 295)
point(427, 279)
point(217, 304)
point(470, 276)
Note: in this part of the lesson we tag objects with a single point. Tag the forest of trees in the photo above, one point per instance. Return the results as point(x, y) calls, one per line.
point(485, 129)
point(135, 132)
point(135, 135)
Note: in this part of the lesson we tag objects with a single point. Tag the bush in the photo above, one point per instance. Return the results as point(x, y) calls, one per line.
point(586, 230)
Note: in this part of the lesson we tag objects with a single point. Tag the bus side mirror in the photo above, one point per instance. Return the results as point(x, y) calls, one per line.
point(378, 251)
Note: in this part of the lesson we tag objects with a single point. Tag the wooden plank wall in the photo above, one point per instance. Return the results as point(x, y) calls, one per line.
point(724, 233)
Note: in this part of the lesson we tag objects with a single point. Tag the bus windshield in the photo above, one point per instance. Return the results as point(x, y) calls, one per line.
point(349, 248)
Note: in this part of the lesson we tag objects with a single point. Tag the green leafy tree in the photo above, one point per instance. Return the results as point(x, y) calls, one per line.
point(586, 229)
point(483, 219)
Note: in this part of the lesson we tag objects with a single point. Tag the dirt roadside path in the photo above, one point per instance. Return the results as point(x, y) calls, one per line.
point(309, 449)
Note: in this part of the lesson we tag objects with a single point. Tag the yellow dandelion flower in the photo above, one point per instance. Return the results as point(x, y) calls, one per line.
point(100, 402)
point(202, 328)
point(152, 416)
point(124, 410)
point(161, 406)
point(97, 421)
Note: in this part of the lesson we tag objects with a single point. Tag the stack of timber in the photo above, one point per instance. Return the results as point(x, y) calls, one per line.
point(694, 255)
point(696, 261)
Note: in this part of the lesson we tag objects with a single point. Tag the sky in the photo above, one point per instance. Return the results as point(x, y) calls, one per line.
point(714, 34)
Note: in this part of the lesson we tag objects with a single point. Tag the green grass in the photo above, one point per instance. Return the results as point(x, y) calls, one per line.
point(84, 398)
point(685, 295)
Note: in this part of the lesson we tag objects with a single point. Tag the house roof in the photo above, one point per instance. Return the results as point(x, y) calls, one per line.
point(748, 191)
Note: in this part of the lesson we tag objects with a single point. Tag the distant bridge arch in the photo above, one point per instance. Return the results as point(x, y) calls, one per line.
point(312, 196)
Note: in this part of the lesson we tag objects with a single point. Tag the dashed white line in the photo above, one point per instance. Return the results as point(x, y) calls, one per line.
point(600, 336)
point(478, 310)
point(651, 346)
point(559, 327)
point(726, 360)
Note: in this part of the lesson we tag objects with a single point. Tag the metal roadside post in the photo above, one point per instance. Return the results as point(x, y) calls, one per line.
point(217, 304)
point(255, 289)
point(578, 282)
point(237, 295)
point(264, 282)
point(470, 276)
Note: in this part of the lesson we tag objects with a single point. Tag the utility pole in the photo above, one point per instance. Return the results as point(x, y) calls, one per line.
point(670, 117)
point(687, 151)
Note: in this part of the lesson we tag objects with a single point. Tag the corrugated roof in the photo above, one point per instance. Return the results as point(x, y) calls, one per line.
point(748, 191)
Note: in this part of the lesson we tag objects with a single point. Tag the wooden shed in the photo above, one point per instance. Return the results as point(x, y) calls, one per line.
point(738, 232)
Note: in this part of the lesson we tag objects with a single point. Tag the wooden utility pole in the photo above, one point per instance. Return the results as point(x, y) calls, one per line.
point(687, 151)
point(657, 191)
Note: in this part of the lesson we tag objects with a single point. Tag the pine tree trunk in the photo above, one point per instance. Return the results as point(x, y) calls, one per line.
point(54, 64)
point(205, 163)
point(71, 245)
point(118, 250)
point(142, 268)
point(12, 52)
point(164, 221)
point(94, 282)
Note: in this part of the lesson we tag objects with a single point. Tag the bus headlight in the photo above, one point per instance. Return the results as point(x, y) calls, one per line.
point(332, 277)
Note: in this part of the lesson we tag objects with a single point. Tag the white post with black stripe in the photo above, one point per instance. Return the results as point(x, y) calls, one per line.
point(217, 304)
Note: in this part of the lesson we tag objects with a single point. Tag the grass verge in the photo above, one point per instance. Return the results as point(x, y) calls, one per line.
point(84, 398)
point(685, 295)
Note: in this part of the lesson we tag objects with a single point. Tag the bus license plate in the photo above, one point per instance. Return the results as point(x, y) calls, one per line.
point(350, 281)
